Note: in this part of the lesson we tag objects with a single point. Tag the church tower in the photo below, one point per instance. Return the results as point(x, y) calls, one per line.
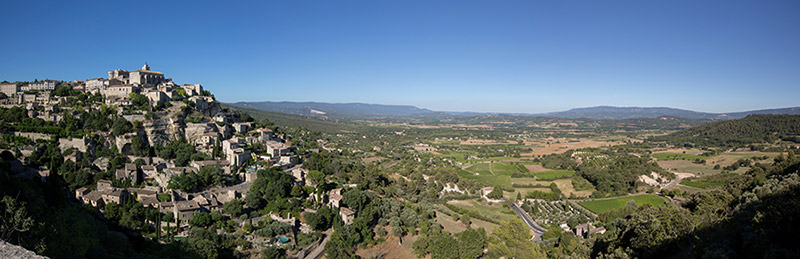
point(145, 67)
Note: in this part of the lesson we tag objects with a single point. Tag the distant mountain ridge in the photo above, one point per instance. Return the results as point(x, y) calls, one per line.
point(355, 110)
point(335, 109)
point(616, 113)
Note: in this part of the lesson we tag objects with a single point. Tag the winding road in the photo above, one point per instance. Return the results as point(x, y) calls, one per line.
point(317, 252)
point(678, 178)
point(538, 230)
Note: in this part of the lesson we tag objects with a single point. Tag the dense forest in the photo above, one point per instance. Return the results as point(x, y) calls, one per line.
point(752, 129)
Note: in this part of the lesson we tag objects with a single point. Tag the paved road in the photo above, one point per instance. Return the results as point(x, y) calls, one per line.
point(529, 221)
point(317, 252)
point(678, 178)
point(393, 163)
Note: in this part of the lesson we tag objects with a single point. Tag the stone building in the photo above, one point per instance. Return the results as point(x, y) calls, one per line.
point(9, 89)
point(46, 85)
point(130, 172)
point(144, 76)
point(121, 91)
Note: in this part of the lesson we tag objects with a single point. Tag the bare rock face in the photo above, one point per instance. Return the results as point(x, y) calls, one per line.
point(194, 131)
point(8, 250)
point(206, 105)
point(225, 130)
point(123, 143)
point(163, 130)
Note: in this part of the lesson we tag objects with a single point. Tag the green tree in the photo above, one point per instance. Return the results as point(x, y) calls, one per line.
point(320, 220)
point(121, 126)
point(316, 177)
point(139, 100)
point(496, 193)
point(355, 199)
point(273, 253)
point(201, 219)
point(14, 220)
point(512, 239)
point(233, 208)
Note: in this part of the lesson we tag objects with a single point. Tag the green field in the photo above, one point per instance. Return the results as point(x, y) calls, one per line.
point(497, 212)
point(600, 206)
point(497, 168)
point(508, 168)
point(488, 178)
point(678, 156)
point(553, 175)
point(482, 168)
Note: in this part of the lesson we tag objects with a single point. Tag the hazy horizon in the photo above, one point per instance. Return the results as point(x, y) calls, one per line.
point(510, 57)
point(502, 112)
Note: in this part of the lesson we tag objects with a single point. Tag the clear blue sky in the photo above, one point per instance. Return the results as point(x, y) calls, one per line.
point(488, 56)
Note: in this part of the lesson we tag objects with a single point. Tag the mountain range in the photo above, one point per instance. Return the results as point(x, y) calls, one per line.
point(361, 110)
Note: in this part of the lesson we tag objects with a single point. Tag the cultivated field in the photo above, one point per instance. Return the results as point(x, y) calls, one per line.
point(723, 160)
point(561, 145)
point(554, 174)
point(600, 206)
point(495, 211)
point(536, 168)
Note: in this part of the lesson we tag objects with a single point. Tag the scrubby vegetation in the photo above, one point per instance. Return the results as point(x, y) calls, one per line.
point(752, 129)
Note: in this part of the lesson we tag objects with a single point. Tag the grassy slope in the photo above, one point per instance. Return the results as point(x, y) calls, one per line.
point(600, 206)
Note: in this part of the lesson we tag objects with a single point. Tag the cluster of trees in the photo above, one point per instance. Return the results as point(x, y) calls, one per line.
point(330, 163)
point(554, 194)
point(272, 191)
point(373, 212)
point(180, 151)
point(558, 161)
point(512, 239)
point(132, 215)
point(322, 219)
point(496, 193)
point(65, 90)
point(440, 244)
point(752, 129)
point(207, 176)
point(751, 216)
point(271, 228)
point(139, 101)
point(619, 174)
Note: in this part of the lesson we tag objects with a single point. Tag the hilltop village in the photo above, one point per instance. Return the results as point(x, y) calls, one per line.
point(171, 148)
point(137, 165)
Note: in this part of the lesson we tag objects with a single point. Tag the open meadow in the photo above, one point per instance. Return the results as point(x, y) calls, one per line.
point(600, 206)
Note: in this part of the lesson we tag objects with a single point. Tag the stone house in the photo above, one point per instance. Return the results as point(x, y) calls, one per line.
point(149, 172)
point(335, 198)
point(347, 214)
point(129, 171)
